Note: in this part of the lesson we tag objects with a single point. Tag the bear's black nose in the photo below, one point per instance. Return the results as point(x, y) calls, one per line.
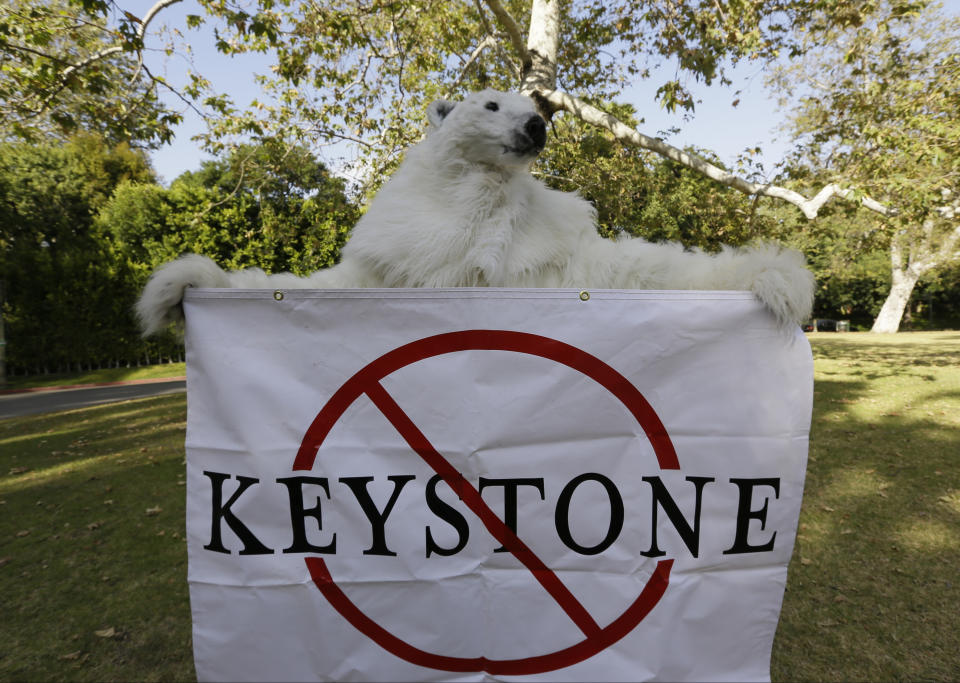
point(536, 128)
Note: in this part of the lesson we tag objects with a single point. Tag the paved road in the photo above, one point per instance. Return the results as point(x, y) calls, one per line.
point(13, 405)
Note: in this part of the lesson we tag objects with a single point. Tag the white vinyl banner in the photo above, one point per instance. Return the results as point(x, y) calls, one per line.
point(490, 484)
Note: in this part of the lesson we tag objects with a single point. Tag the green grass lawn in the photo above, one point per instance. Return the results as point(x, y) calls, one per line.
point(874, 584)
point(92, 551)
point(93, 559)
point(159, 371)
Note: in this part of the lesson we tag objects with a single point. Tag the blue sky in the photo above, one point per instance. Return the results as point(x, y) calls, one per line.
point(717, 125)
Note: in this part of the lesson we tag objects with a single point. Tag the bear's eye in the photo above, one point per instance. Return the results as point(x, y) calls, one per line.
point(492, 106)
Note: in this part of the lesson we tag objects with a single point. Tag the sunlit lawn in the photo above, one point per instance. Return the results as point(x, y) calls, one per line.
point(159, 371)
point(93, 560)
point(874, 586)
point(92, 551)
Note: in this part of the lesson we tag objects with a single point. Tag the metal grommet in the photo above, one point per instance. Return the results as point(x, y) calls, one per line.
point(584, 295)
point(278, 295)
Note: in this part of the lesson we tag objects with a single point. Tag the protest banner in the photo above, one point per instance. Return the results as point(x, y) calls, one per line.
point(490, 484)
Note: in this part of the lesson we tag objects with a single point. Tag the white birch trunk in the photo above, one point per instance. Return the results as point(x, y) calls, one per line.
point(543, 39)
point(888, 320)
point(924, 254)
point(903, 279)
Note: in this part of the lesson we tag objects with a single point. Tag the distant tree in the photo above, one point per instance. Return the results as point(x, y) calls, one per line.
point(936, 301)
point(852, 273)
point(66, 295)
point(877, 114)
point(265, 205)
point(83, 224)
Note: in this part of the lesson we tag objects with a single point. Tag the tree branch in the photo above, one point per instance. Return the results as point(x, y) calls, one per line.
point(160, 81)
point(810, 207)
point(513, 30)
point(141, 32)
point(488, 41)
point(540, 73)
point(38, 53)
point(505, 59)
point(151, 13)
point(832, 189)
point(64, 75)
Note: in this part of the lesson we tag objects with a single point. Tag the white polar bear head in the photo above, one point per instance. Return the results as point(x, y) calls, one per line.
point(488, 127)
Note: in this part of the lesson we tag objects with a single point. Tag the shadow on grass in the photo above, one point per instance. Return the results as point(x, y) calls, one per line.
point(92, 545)
point(912, 354)
point(874, 570)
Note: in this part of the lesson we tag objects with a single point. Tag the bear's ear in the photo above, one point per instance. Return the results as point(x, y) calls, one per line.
point(437, 111)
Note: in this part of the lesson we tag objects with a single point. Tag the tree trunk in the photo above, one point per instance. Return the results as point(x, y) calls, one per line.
point(888, 320)
point(543, 40)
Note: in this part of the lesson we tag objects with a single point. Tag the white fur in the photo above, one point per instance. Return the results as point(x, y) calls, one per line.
point(463, 211)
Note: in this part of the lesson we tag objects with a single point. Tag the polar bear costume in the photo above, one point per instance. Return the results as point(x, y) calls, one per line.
point(463, 211)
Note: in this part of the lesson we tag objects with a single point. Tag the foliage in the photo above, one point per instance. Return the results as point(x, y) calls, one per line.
point(936, 301)
point(876, 108)
point(848, 251)
point(706, 37)
point(877, 111)
point(364, 70)
point(64, 70)
point(845, 249)
point(67, 296)
point(266, 206)
point(641, 194)
point(84, 224)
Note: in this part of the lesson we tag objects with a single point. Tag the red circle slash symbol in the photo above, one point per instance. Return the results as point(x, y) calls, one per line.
point(367, 381)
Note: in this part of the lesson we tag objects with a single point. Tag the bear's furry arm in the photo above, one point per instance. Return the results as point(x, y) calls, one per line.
point(776, 276)
point(160, 303)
